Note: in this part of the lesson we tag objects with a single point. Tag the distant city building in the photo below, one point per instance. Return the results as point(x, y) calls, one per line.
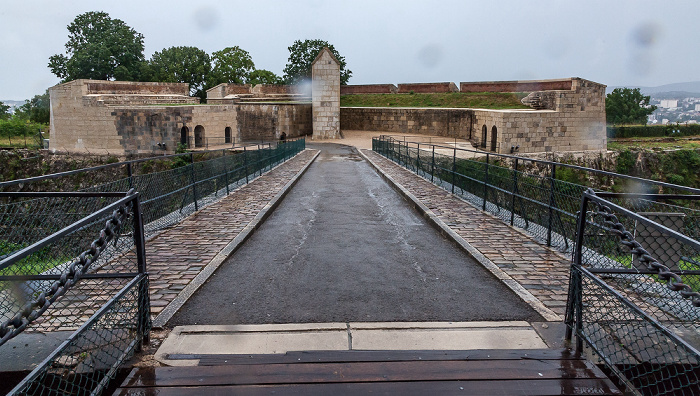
point(697, 107)
point(669, 103)
point(664, 121)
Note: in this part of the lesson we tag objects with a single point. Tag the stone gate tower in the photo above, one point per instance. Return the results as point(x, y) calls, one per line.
point(325, 96)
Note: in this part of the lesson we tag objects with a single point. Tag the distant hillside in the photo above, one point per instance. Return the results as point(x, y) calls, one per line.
point(669, 91)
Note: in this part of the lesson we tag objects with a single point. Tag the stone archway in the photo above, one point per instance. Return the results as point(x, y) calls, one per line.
point(484, 131)
point(199, 136)
point(185, 135)
point(227, 135)
point(494, 138)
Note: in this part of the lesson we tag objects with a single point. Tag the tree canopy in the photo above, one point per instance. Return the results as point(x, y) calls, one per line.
point(182, 64)
point(231, 65)
point(627, 106)
point(4, 111)
point(36, 109)
point(262, 76)
point(303, 53)
point(100, 48)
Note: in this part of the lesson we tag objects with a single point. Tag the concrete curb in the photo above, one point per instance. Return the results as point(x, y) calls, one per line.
point(445, 230)
point(171, 309)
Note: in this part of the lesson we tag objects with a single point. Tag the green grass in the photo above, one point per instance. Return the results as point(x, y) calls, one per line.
point(479, 100)
point(654, 143)
point(18, 142)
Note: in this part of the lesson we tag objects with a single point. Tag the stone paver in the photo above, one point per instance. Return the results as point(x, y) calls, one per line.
point(540, 270)
point(177, 255)
point(185, 344)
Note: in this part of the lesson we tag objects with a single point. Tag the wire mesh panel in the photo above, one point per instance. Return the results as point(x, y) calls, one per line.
point(647, 357)
point(633, 295)
point(542, 197)
point(86, 362)
point(89, 275)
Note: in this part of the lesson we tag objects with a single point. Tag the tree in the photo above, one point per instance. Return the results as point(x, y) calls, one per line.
point(231, 65)
point(182, 64)
point(262, 76)
point(302, 53)
point(4, 111)
point(100, 48)
point(627, 106)
point(36, 109)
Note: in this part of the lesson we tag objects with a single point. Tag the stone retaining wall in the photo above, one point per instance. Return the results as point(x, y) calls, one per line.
point(441, 87)
point(368, 89)
point(440, 122)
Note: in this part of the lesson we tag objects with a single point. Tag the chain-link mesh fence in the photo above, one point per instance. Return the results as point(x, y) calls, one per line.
point(171, 187)
point(69, 256)
point(77, 271)
point(634, 290)
point(541, 197)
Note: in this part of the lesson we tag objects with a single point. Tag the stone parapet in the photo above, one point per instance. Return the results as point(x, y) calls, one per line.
point(368, 89)
point(440, 87)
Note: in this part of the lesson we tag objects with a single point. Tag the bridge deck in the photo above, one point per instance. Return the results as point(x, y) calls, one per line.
point(502, 372)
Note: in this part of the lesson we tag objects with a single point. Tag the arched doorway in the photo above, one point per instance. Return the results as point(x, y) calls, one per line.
point(227, 135)
point(185, 135)
point(494, 138)
point(198, 136)
point(483, 136)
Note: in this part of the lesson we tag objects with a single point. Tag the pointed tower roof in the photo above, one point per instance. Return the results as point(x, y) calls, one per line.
point(325, 49)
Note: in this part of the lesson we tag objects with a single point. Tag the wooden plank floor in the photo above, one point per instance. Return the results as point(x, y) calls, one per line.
point(486, 372)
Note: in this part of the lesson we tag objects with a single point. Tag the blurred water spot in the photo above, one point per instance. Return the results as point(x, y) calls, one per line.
point(205, 18)
point(646, 34)
point(430, 55)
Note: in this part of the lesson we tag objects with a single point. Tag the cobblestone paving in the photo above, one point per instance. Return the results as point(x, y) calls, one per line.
point(178, 254)
point(541, 270)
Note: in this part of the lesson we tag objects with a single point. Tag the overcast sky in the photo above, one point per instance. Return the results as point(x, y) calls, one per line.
point(614, 42)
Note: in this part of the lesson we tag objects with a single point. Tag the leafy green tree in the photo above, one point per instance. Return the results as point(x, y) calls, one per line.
point(627, 106)
point(36, 109)
point(4, 111)
point(302, 53)
point(262, 76)
point(231, 65)
point(182, 64)
point(100, 48)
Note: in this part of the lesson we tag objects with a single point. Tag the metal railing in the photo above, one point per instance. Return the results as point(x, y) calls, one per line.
point(634, 290)
point(541, 197)
point(89, 277)
point(171, 187)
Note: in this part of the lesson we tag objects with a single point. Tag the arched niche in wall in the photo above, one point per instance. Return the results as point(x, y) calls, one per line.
point(494, 138)
point(185, 135)
point(199, 136)
point(227, 135)
point(484, 131)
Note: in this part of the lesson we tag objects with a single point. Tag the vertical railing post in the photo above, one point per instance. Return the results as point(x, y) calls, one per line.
point(550, 219)
point(454, 168)
point(194, 182)
point(130, 174)
point(417, 158)
point(245, 164)
point(144, 311)
point(223, 155)
point(486, 181)
point(432, 166)
point(513, 192)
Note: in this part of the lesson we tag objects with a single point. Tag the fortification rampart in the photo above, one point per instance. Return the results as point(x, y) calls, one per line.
point(368, 89)
point(440, 87)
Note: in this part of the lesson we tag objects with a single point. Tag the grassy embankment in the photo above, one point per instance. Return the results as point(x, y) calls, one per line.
point(479, 100)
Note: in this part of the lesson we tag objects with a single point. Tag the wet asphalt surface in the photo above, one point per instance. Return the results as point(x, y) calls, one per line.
point(344, 246)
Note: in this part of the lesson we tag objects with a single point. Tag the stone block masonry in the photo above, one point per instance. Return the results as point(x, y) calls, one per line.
point(368, 89)
point(325, 93)
point(441, 87)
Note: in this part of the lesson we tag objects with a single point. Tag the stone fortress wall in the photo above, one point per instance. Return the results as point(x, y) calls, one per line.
point(132, 118)
point(566, 115)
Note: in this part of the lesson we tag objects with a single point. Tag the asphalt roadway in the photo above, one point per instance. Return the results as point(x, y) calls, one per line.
point(344, 246)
